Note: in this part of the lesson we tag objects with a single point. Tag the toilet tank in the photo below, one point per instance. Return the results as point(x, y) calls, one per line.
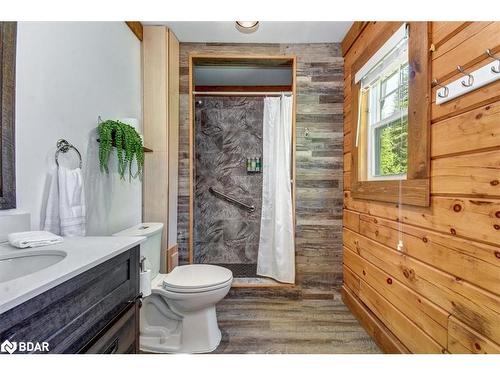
point(151, 248)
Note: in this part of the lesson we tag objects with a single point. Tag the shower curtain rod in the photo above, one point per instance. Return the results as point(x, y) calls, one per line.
point(243, 93)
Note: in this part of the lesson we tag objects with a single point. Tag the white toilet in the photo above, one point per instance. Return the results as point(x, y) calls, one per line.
point(179, 316)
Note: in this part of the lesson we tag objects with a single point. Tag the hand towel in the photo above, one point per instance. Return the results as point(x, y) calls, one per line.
point(33, 239)
point(72, 209)
point(52, 221)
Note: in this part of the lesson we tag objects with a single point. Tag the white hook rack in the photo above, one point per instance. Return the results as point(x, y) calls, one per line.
point(473, 80)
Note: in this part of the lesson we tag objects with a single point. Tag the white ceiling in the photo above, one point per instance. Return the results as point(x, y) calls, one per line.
point(268, 31)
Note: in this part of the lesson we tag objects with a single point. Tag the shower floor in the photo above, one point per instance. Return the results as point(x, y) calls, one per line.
point(241, 269)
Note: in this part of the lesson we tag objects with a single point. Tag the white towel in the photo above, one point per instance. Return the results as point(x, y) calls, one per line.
point(71, 202)
point(65, 213)
point(33, 239)
point(52, 220)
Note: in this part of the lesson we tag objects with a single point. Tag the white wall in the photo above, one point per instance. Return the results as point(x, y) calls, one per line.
point(67, 75)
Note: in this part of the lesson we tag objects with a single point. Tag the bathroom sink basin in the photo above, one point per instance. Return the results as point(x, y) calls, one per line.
point(13, 266)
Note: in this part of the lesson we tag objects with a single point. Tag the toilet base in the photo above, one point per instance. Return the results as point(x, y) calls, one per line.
point(198, 332)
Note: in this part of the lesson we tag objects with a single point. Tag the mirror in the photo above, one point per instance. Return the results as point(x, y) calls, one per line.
point(7, 113)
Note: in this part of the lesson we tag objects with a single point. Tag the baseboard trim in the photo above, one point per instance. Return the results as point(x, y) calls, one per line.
point(384, 338)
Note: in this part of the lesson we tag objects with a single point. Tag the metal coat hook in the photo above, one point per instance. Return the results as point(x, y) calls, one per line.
point(470, 77)
point(446, 89)
point(490, 54)
point(469, 80)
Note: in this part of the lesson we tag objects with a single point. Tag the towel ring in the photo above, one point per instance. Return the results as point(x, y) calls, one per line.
point(64, 146)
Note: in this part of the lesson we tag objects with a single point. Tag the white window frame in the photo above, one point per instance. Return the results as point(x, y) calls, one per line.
point(374, 122)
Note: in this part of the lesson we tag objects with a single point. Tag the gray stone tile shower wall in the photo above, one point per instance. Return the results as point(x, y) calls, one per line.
point(228, 130)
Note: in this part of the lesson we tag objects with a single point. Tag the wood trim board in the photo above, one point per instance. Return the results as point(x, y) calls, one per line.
point(136, 28)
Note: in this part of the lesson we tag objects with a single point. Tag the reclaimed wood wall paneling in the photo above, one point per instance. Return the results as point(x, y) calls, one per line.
point(319, 157)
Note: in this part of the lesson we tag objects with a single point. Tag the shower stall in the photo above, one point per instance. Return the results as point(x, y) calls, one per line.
point(228, 132)
point(242, 153)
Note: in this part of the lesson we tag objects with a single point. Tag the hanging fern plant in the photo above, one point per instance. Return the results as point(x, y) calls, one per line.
point(128, 146)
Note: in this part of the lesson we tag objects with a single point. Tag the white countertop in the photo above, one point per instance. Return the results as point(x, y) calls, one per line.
point(83, 253)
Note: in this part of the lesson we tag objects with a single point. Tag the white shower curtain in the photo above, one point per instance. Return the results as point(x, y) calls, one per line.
point(276, 256)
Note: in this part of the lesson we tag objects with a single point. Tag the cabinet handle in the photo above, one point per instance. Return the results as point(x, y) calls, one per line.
point(138, 297)
point(112, 349)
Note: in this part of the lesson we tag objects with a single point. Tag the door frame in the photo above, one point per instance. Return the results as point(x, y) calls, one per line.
point(193, 58)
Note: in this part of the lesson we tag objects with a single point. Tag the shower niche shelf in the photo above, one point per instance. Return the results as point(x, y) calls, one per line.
point(253, 165)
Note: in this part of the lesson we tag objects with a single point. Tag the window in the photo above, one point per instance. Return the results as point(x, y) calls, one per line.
point(386, 87)
point(388, 124)
point(390, 159)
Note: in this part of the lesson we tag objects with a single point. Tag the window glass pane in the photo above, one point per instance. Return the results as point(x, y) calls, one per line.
point(390, 84)
point(389, 105)
point(373, 104)
point(391, 148)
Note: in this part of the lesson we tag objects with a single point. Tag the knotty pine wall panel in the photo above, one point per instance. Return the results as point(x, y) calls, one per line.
point(444, 281)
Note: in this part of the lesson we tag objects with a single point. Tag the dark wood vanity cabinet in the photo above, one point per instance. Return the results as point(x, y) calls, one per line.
point(94, 312)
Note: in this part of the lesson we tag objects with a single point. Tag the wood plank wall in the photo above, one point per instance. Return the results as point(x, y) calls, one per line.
point(441, 293)
point(318, 158)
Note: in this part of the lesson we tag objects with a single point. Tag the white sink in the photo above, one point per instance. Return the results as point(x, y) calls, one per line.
point(20, 264)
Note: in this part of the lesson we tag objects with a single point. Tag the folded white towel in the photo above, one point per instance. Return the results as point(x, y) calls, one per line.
point(33, 239)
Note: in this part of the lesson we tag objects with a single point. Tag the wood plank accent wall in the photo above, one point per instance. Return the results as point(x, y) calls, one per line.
point(441, 292)
point(319, 158)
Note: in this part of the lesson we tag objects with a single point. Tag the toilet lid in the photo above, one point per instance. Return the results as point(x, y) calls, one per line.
point(195, 276)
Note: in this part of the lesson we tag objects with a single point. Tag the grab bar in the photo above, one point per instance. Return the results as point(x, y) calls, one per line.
point(232, 200)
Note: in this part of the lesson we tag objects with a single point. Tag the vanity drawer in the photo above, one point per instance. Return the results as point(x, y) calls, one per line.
point(120, 337)
point(72, 314)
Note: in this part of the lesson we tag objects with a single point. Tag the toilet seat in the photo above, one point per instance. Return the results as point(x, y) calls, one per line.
point(195, 278)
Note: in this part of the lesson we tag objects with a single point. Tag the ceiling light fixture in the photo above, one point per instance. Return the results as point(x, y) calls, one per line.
point(247, 27)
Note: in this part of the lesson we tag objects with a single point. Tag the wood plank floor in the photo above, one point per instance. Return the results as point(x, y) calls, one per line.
point(273, 324)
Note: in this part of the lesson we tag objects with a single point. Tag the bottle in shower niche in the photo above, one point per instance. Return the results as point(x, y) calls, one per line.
point(249, 165)
point(254, 165)
point(257, 165)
